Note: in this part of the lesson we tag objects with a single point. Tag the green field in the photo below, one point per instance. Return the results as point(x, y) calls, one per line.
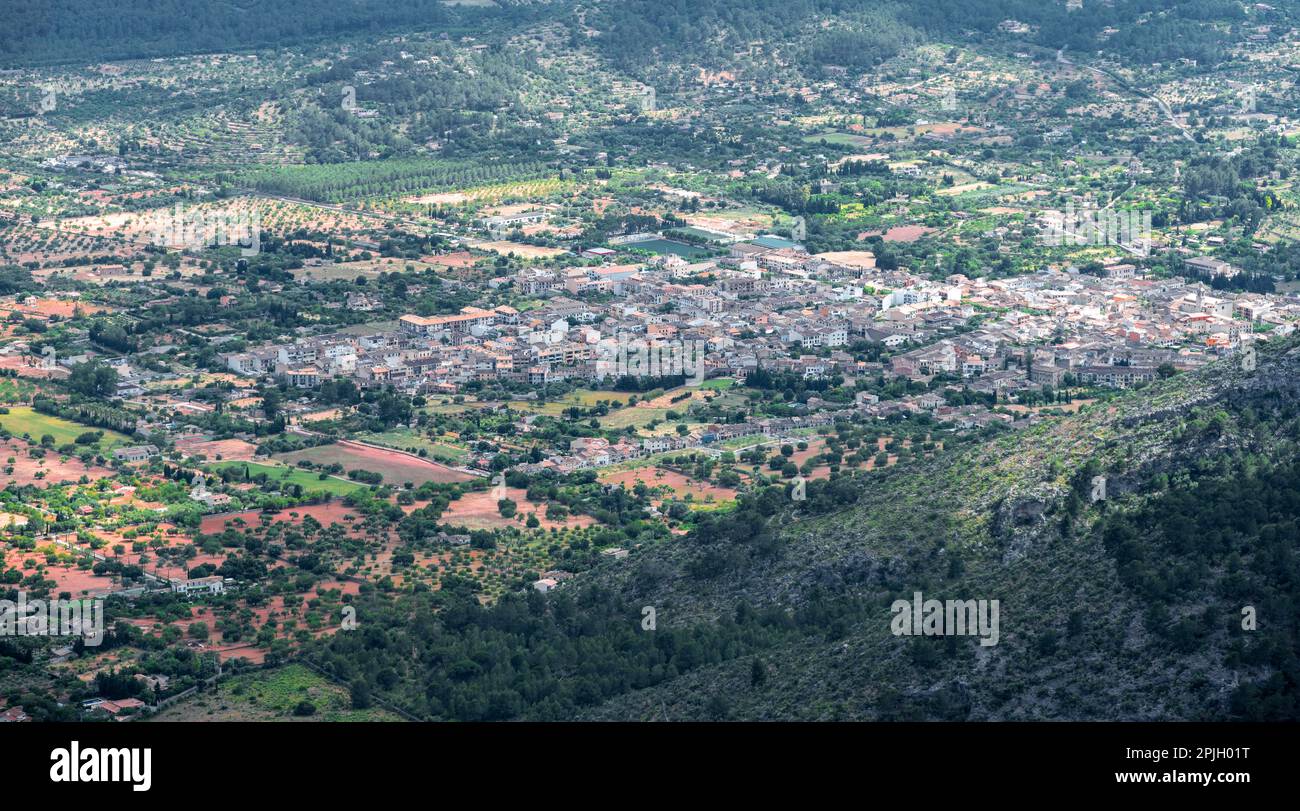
point(702, 234)
point(839, 139)
point(632, 416)
point(671, 246)
point(272, 695)
point(404, 439)
point(979, 196)
point(23, 420)
point(583, 398)
point(309, 480)
point(624, 415)
point(718, 383)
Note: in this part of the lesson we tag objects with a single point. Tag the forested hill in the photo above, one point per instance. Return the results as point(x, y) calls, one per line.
point(49, 31)
point(635, 35)
point(1128, 607)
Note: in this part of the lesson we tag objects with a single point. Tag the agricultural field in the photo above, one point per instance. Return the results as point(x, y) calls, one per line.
point(219, 450)
point(26, 463)
point(376, 178)
point(367, 269)
point(491, 194)
point(668, 246)
point(332, 512)
point(840, 139)
point(650, 407)
point(59, 569)
point(405, 439)
point(395, 466)
point(274, 694)
point(479, 510)
point(665, 483)
point(23, 421)
point(310, 481)
point(520, 249)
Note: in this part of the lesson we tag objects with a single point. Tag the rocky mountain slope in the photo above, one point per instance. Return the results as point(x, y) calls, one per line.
point(1128, 607)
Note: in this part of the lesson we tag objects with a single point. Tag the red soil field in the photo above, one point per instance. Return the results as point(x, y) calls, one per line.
point(63, 308)
point(478, 510)
point(229, 450)
point(26, 468)
point(169, 570)
point(899, 233)
point(326, 514)
point(68, 578)
point(275, 608)
point(681, 485)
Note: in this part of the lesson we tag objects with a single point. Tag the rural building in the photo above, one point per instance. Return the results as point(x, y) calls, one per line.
point(135, 453)
point(214, 584)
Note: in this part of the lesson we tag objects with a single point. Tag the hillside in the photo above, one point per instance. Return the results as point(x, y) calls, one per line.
point(60, 31)
point(1126, 608)
point(635, 35)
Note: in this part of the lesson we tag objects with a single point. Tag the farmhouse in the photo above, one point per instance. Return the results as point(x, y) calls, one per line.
point(135, 453)
point(214, 584)
point(503, 223)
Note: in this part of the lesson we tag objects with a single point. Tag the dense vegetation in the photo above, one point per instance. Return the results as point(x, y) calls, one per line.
point(633, 33)
point(86, 30)
point(763, 598)
point(638, 33)
point(1232, 537)
point(336, 183)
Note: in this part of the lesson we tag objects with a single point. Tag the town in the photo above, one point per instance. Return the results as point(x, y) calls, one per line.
point(393, 375)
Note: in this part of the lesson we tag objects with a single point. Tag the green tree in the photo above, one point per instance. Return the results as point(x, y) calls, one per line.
point(93, 379)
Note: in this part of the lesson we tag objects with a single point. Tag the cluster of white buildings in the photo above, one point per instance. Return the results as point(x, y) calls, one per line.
point(771, 304)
